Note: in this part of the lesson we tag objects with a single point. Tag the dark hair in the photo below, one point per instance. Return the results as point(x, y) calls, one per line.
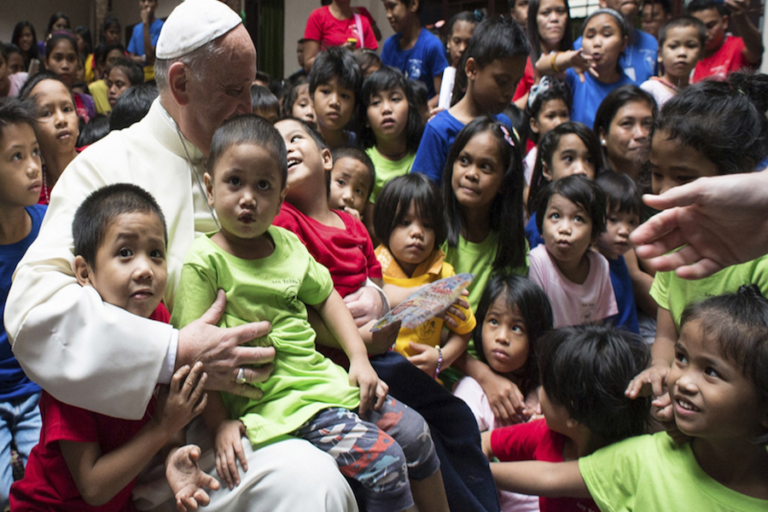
point(360, 156)
point(32, 53)
point(59, 35)
point(10, 49)
point(546, 151)
point(624, 26)
point(467, 16)
point(534, 308)
point(738, 323)
point(54, 18)
point(263, 76)
point(14, 111)
point(132, 106)
point(292, 94)
point(366, 59)
point(548, 89)
point(132, 70)
point(408, 3)
point(32, 82)
point(248, 129)
point(420, 94)
point(703, 5)
point(100, 55)
point(586, 369)
point(100, 209)
point(263, 99)
point(95, 130)
point(517, 118)
point(319, 142)
point(621, 193)
point(506, 215)
point(388, 78)
point(720, 123)
point(108, 22)
point(683, 21)
point(339, 63)
point(85, 33)
point(395, 199)
point(753, 85)
point(615, 100)
point(579, 190)
point(666, 5)
point(533, 30)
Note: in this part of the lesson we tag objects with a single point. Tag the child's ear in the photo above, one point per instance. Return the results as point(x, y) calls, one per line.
point(414, 6)
point(534, 125)
point(545, 171)
point(471, 68)
point(208, 188)
point(82, 271)
point(327, 159)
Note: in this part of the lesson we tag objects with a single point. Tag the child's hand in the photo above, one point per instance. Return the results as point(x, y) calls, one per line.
point(148, 13)
point(382, 340)
point(363, 376)
point(426, 358)
point(356, 214)
point(186, 479)
point(450, 316)
point(183, 399)
point(505, 399)
point(229, 449)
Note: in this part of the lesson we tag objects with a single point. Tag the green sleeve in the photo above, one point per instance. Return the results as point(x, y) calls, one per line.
point(195, 294)
point(660, 289)
point(611, 473)
point(317, 284)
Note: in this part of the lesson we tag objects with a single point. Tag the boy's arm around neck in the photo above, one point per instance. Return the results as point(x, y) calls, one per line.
point(549, 479)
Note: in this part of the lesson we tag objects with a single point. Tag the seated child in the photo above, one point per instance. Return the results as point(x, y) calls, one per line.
point(264, 103)
point(268, 274)
point(408, 217)
point(719, 389)
point(352, 179)
point(571, 216)
point(21, 179)
point(584, 371)
point(123, 74)
point(88, 461)
point(622, 217)
point(298, 103)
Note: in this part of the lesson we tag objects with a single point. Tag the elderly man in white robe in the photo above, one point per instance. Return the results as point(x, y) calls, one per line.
point(101, 358)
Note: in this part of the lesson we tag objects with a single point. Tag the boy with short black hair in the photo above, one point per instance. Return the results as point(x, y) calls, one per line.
point(264, 103)
point(412, 49)
point(352, 179)
point(725, 53)
point(654, 14)
point(20, 219)
point(144, 38)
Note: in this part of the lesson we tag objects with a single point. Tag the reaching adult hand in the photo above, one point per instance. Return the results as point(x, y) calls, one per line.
point(220, 351)
point(721, 221)
point(365, 305)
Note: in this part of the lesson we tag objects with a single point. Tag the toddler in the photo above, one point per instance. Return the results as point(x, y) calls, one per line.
point(264, 103)
point(570, 217)
point(298, 103)
point(352, 179)
point(88, 461)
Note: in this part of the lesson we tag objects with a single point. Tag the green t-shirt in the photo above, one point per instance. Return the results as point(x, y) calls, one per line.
point(275, 288)
point(653, 473)
point(674, 294)
point(387, 169)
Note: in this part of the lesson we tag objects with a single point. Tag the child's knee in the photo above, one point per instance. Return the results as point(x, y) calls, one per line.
point(412, 433)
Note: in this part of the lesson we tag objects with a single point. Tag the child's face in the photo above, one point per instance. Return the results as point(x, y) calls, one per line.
point(307, 163)
point(112, 35)
point(519, 13)
point(557, 417)
point(552, 114)
point(117, 84)
point(711, 396)
point(570, 157)
point(397, 12)
point(551, 20)
point(60, 24)
point(246, 191)
point(494, 85)
point(334, 105)
point(505, 337)
point(673, 164)
point(566, 230)
point(303, 108)
point(25, 39)
point(629, 135)
point(20, 167)
point(459, 38)
point(15, 63)
point(130, 269)
point(63, 61)
point(681, 51)
point(57, 127)
point(652, 18)
point(478, 172)
point(270, 114)
point(614, 242)
point(412, 241)
point(350, 184)
point(603, 42)
point(149, 5)
point(112, 57)
point(715, 25)
point(388, 114)
point(300, 54)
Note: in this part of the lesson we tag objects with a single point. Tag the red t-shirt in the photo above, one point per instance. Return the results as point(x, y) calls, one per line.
point(346, 253)
point(726, 60)
point(324, 28)
point(525, 83)
point(47, 482)
point(534, 441)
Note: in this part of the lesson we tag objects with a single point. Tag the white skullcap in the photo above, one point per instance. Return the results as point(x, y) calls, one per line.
point(192, 24)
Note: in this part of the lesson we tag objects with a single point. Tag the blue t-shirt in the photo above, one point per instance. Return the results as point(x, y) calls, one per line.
point(532, 233)
point(639, 59)
point(423, 62)
point(13, 382)
point(625, 296)
point(588, 95)
point(437, 140)
point(136, 44)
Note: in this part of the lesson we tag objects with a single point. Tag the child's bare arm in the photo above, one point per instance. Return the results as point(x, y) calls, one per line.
point(428, 357)
point(485, 440)
point(550, 479)
point(228, 446)
point(99, 477)
point(663, 352)
point(504, 397)
point(641, 284)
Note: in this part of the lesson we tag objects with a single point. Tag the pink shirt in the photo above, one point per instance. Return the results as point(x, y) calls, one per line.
point(574, 304)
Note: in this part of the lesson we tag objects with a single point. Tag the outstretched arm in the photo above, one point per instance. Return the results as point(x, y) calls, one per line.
point(549, 479)
point(753, 40)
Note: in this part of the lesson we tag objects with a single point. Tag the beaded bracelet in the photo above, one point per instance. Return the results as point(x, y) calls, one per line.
point(439, 360)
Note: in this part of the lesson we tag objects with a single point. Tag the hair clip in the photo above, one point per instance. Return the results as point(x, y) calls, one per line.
point(544, 85)
point(507, 136)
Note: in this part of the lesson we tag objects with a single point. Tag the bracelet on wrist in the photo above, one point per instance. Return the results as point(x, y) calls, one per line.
point(552, 62)
point(439, 360)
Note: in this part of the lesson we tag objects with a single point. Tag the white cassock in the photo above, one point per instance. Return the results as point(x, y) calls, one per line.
point(101, 358)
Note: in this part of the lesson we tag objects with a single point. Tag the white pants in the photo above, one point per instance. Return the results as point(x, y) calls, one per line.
point(287, 476)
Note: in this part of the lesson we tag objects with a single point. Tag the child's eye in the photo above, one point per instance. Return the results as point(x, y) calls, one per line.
point(157, 253)
point(517, 329)
point(711, 372)
point(579, 218)
point(464, 160)
point(568, 158)
point(375, 103)
point(36, 152)
point(44, 113)
point(125, 252)
point(16, 156)
point(493, 321)
point(359, 192)
point(341, 182)
point(263, 185)
point(235, 181)
point(295, 138)
point(554, 216)
point(680, 357)
point(69, 108)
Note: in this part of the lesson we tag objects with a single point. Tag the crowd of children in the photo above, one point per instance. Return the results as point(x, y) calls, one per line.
point(506, 150)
